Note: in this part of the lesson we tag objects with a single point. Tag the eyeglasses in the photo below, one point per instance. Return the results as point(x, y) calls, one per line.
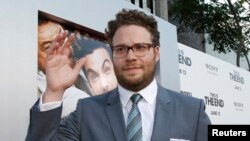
point(139, 49)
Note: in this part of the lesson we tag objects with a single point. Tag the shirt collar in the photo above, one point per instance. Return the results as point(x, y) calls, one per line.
point(148, 93)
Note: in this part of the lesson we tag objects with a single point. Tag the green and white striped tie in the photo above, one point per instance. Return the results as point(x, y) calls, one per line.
point(134, 126)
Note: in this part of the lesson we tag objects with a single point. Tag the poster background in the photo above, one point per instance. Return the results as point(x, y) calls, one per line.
point(97, 74)
point(213, 80)
point(18, 52)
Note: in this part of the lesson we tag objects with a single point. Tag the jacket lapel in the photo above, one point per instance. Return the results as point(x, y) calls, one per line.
point(162, 111)
point(115, 115)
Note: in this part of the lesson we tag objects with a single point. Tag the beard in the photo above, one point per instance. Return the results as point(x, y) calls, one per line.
point(136, 82)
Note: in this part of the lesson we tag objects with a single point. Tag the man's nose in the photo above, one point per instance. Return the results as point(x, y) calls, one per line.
point(105, 85)
point(131, 53)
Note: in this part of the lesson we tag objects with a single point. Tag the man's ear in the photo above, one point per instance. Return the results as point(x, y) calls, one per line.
point(157, 53)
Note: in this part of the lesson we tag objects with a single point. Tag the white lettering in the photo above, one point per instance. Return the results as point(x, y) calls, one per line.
point(244, 133)
point(215, 131)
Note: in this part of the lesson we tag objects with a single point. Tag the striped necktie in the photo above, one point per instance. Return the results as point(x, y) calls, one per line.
point(134, 126)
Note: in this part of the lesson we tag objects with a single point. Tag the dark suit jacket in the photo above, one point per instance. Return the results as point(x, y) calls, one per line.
point(100, 118)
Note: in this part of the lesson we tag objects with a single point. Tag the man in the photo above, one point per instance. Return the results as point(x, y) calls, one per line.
point(98, 67)
point(139, 109)
point(47, 32)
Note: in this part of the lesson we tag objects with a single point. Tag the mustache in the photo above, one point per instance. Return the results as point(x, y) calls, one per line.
point(131, 66)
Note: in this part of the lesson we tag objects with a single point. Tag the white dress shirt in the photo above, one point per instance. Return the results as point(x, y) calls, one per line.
point(146, 106)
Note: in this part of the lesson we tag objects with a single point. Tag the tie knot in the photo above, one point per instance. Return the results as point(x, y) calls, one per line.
point(135, 98)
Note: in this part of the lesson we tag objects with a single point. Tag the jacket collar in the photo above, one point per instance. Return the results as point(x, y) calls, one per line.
point(161, 121)
point(115, 115)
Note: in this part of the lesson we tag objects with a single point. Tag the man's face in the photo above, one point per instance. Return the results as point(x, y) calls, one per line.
point(100, 71)
point(134, 73)
point(46, 33)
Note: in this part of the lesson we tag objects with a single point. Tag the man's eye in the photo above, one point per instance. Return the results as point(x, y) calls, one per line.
point(107, 70)
point(140, 47)
point(120, 49)
point(93, 77)
point(46, 46)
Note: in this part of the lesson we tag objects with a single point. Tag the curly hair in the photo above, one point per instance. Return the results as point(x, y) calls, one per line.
point(133, 17)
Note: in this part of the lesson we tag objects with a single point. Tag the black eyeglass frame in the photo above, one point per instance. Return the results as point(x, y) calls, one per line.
point(149, 45)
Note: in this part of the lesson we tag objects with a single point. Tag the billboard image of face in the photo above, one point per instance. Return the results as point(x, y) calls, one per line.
point(98, 68)
point(97, 75)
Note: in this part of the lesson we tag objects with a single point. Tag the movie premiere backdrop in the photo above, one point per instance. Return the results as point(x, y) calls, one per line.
point(90, 23)
point(19, 52)
point(97, 74)
point(224, 87)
